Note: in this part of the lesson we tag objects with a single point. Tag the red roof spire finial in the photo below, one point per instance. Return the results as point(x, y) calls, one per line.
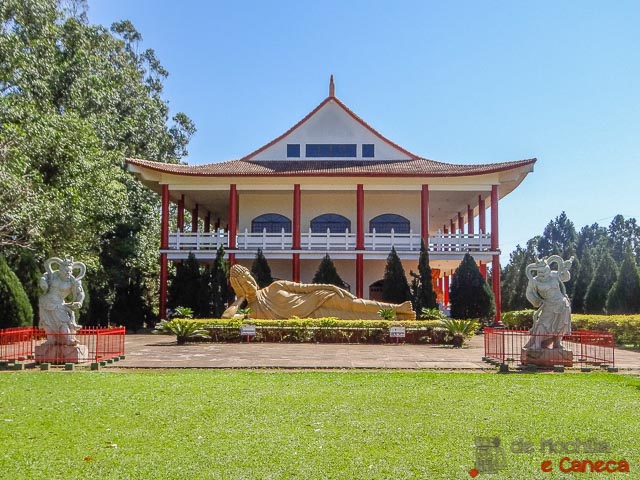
point(332, 87)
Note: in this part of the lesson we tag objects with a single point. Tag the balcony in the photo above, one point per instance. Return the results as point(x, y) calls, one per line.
point(443, 244)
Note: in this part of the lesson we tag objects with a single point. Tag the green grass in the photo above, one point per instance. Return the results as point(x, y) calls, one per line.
point(308, 425)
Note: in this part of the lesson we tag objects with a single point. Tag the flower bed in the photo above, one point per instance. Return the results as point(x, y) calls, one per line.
point(324, 330)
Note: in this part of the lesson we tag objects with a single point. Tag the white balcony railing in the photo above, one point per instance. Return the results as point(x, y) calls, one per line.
point(330, 241)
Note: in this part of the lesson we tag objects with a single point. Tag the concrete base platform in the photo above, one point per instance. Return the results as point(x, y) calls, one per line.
point(547, 357)
point(61, 354)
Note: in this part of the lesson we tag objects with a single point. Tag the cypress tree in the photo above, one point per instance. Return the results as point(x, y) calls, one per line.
point(606, 274)
point(422, 283)
point(219, 283)
point(581, 285)
point(395, 288)
point(624, 296)
point(261, 271)
point(130, 308)
point(470, 295)
point(328, 274)
point(186, 286)
point(15, 309)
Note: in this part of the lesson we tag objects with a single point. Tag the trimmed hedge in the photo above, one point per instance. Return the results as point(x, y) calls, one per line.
point(325, 330)
point(626, 328)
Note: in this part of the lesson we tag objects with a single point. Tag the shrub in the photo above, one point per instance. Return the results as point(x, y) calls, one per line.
point(261, 270)
point(520, 319)
point(432, 314)
point(395, 288)
point(470, 294)
point(624, 296)
point(15, 309)
point(182, 328)
point(459, 329)
point(327, 273)
point(387, 313)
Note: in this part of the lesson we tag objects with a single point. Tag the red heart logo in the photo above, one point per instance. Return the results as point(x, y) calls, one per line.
point(473, 473)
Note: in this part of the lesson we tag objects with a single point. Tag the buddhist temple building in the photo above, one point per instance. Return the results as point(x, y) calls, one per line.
point(332, 184)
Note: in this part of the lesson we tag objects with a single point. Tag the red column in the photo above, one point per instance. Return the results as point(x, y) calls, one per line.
point(207, 223)
point(360, 217)
point(482, 215)
point(296, 233)
point(194, 219)
point(452, 226)
point(359, 275)
point(460, 222)
point(446, 289)
point(181, 214)
point(483, 270)
point(164, 244)
point(495, 245)
point(470, 225)
point(233, 214)
point(424, 214)
point(360, 240)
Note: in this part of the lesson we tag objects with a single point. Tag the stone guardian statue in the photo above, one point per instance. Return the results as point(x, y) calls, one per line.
point(61, 298)
point(552, 320)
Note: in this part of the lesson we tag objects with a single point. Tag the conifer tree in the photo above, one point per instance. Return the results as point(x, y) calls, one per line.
point(422, 283)
point(186, 287)
point(328, 274)
point(395, 288)
point(15, 309)
point(624, 296)
point(219, 282)
point(261, 271)
point(470, 295)
point(605, 276)
point(581, 284)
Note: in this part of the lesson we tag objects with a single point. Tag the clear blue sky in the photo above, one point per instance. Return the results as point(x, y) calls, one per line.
point(454, 81)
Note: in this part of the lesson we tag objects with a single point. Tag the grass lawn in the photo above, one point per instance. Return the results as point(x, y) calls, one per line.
point(309, 425)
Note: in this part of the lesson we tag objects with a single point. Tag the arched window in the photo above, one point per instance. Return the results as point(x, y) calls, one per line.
point(334, 222)
point(384, 223)
point(272, 222)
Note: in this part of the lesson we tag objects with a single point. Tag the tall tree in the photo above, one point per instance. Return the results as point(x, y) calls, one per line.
point(219, 282)
point(582, 282)
point(75, 99)
point(328, 274)
point(624, 234)
point(470, 295)
point(422, 283)
point(624, 296)
point(559, 238)
point(186, 287)
point(14, 304)
point(514, 279)
point(261, 270)
point(603, 279)
point(395, 288)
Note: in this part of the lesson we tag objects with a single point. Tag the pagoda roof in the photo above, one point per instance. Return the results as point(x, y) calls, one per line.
point(418, 167)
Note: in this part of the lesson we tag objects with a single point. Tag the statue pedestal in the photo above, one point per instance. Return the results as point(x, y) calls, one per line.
point(60, 354)
point(547, 357)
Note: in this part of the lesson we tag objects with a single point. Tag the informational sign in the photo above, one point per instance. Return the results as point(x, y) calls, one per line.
point(248, 330)
point(397, 332)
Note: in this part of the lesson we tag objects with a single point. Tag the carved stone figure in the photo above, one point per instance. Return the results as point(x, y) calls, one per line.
point(57, 314)
point(552, 320)
point(283, 299)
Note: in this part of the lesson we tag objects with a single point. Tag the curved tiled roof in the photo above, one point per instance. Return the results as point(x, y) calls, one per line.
point(418, 167)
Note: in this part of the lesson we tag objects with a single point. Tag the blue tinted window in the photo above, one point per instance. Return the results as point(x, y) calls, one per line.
point(314, 150)
point(272, 222)
point(384, 223)
point(368, 150)
point(293, 150)
point(332, 221)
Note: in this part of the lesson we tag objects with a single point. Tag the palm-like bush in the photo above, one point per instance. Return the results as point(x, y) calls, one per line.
point(459, 329)
point(387, 313)
point(432, 314)
point(182, 328)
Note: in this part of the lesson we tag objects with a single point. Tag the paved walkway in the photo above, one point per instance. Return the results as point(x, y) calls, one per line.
point(160, 351)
